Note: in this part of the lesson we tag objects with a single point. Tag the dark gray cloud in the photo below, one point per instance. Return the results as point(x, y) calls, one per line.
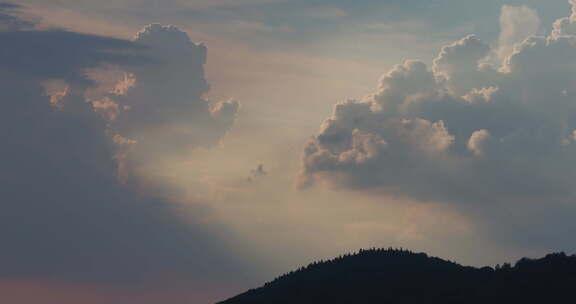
point(8, 20)
point(57, 54)
point(463, 131)
point(63, 213)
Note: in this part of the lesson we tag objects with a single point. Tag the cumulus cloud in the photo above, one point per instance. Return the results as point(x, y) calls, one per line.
point(516, 24)
point(478, 141)
point(459, 65)
point(175, 83)
point(461, 131)
point(63, 213)
point(160, 105)
point(565, 26)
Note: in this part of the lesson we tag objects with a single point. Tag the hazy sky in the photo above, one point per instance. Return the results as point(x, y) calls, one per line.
point(183, 151)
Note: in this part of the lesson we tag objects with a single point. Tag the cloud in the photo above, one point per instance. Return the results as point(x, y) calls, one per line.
point(516, 24)
point(256, 173)
point(64, 215)
point(462, 132)
point(162, 108)
point(57, 54)
point(9, 19)
point(494, 143)
point(459, 63)
point(565, 26)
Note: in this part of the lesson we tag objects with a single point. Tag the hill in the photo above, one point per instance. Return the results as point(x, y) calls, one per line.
point(389, 275)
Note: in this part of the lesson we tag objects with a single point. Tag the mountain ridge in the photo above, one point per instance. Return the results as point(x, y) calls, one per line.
point(386, 275)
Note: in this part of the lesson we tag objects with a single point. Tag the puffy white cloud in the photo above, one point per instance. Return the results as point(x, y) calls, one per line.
point(461, 131)
point(496, 143)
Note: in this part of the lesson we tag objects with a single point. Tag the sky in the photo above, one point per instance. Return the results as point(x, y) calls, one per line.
point(184, 151)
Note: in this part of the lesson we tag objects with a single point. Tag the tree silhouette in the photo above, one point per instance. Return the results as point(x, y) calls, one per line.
point(391, 275)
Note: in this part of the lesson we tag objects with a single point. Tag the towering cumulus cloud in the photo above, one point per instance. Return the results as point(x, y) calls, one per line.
point(63, 214)
point(462, 131)
point(161, 109)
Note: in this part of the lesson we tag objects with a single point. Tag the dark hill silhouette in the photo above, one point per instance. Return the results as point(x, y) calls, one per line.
point(391, 276)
